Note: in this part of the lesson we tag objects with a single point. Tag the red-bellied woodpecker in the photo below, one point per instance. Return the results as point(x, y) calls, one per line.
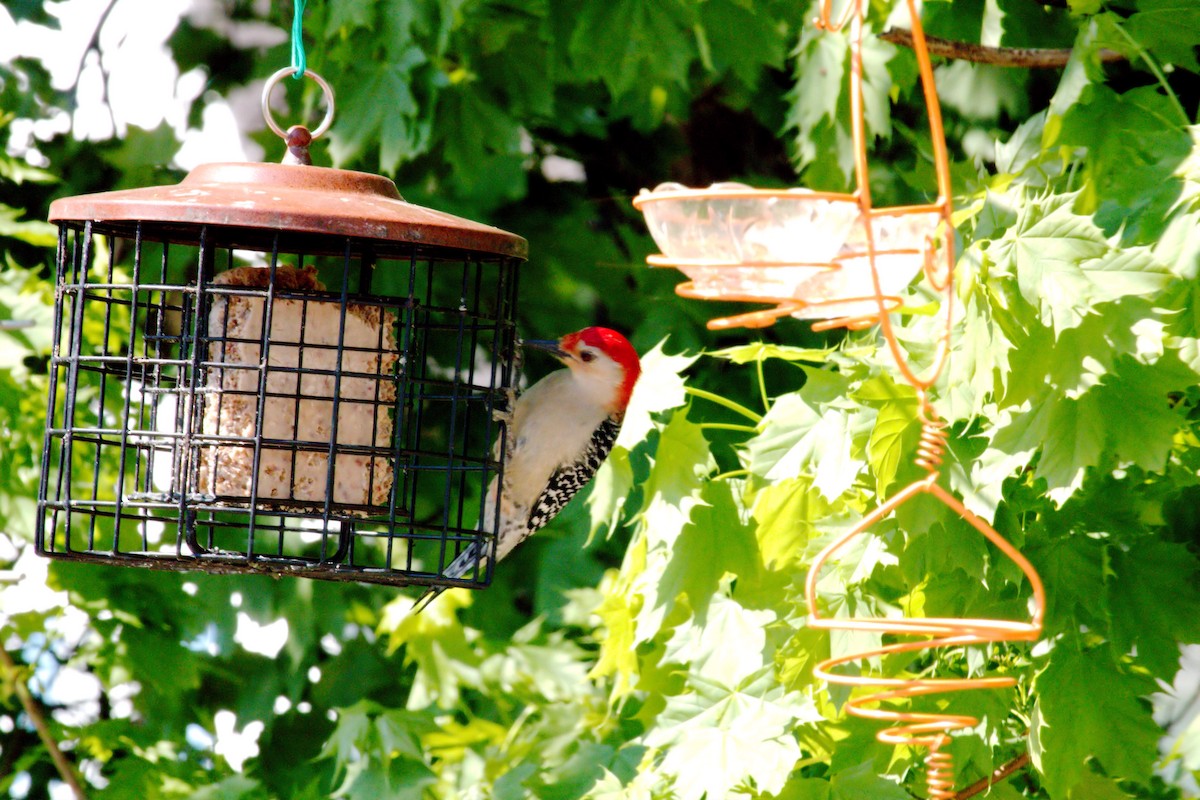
point(561, 430)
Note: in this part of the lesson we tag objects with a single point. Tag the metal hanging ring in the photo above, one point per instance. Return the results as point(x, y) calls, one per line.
point(287, 72)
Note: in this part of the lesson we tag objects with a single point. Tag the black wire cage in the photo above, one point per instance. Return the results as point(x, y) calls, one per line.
point(278, 369)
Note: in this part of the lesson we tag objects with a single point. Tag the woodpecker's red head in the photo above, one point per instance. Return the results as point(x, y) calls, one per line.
point(601, 359)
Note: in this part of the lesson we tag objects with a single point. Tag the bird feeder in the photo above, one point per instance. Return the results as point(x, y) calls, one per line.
point(839, 260)
point(276, 368)
point(825, 256)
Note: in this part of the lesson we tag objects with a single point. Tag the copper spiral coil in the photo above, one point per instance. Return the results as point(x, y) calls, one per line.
point(926, 729)
point(939, 771)
point(932, 444)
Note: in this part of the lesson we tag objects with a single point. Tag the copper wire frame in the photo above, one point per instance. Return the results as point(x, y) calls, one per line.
point(872, 696)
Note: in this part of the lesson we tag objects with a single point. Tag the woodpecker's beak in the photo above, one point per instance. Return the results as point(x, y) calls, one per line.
point(549, 345)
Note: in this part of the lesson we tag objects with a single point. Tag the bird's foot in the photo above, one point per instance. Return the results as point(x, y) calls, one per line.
point(505, 415)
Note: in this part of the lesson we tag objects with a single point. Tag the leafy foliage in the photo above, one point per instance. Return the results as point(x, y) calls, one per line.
point(651, 643)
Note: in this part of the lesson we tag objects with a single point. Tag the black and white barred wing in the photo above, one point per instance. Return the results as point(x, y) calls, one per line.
point(562, 486)
point(570, 478)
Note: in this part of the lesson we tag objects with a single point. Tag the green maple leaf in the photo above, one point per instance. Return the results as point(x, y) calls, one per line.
point(231, 788)
point(1089, 707)
point(1023, 149)
point(878, 83)
point(820, 72)
point(980, 91)
point(378, 105)
point(1064, 265)
point(1069, 433)
point(486, 142)
point(1072, 439)
point(34, 231)
point(1154, 600)
point(1188, 172)
point(753, 352)
point(1134, 401)
point(979, 362)
point(785, 512)
point(1179, 249)
point(400, 778)
point(348, 14)
point(632, 43)
point(865, 783)
point(758, 46)
point(659, 388)
point(618, 647)
point(1136, 143)
point(726, 645)
point(804, 789)
point(820, 107)
point(552, 672)
point(716, 736)
point(143, 148)
point(1073, 569)
point(610, 488)
point(681, 463)
point(1082, 73)
point(1125, 413)
point(1045, 255)
point(893, 438)
point(436, 643)
point(1131, 141)
point(1168, 29)
point(670, 493)
point(1078, 359)
point(352, 727)
point(797, 436)
point(1097, 787)
point(33, 11)
point(944, 547)
point(713, 542)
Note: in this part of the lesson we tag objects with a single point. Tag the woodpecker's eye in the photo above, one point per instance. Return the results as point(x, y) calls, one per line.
point(587, 356)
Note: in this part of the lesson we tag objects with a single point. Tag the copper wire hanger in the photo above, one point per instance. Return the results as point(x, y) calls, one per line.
point(930, 730)
point(871, 695)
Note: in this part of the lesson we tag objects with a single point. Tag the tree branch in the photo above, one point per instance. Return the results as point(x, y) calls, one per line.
point(1025, 57)
point(1000, 774)
point(34, 711)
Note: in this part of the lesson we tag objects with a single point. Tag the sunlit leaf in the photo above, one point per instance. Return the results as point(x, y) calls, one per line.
point(610, 487)
point(724, 645)
point(797, 438)
point(786, 513)
point(761, 351)
point(718, 736)
point(659, 388)
point(1064, 265)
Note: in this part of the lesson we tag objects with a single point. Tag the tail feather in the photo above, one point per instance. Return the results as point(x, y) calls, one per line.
point(428, 597)
point(464, 564)
point(513, 529)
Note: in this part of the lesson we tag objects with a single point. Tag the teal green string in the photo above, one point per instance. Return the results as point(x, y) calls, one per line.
point(298, 59)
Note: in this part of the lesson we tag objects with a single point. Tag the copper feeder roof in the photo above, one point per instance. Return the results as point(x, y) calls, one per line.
point(289, 198)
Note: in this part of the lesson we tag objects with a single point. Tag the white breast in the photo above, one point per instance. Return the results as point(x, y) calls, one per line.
point(552, 425)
